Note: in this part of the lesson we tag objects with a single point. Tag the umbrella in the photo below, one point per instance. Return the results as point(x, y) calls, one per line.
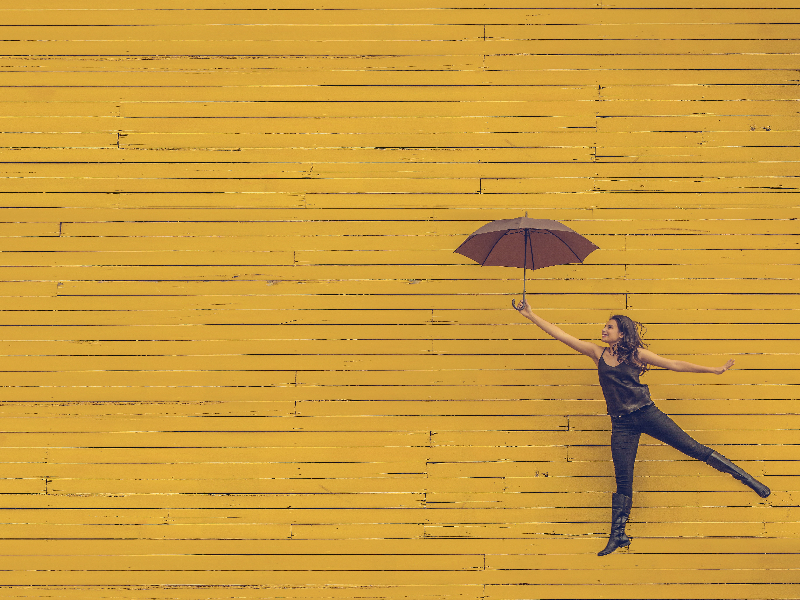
point(527, 243)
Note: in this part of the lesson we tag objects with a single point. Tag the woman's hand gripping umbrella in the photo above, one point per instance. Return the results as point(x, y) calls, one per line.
point(526, 243)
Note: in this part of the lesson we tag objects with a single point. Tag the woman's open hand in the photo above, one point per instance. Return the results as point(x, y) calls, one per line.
point(728, 365)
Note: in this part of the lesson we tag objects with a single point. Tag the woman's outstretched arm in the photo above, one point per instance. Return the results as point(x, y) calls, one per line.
point(591, 350)
point(654, 359)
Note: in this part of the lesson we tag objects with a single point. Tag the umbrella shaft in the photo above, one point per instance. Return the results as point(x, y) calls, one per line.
point(524, 266)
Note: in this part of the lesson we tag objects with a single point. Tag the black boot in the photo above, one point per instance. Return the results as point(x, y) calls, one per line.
point(620, 511)
point(720, 463)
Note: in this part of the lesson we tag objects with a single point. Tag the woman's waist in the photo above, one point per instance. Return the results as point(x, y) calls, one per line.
point(635, 412)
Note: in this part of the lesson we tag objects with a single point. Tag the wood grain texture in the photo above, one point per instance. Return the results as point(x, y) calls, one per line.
point(241, 359)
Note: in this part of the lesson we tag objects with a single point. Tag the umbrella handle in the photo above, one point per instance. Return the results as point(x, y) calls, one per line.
point(520, 305)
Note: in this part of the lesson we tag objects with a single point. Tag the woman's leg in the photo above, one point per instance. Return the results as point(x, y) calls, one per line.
point(624, 443)
point(655, 423)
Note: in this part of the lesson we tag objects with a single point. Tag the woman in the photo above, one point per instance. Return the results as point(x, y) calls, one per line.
point(632, 411)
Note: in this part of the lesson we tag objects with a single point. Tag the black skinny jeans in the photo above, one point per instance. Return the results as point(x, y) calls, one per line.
point(625, 433)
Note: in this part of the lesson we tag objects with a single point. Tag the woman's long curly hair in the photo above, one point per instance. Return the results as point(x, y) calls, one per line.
point(627, 349)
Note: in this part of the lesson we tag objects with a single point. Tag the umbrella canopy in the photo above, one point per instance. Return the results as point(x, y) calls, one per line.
point(526, 243)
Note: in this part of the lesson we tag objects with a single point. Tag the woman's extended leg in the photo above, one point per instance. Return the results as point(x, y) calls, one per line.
point(655, 423)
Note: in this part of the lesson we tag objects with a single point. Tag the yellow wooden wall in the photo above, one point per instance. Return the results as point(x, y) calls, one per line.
point(241, 360)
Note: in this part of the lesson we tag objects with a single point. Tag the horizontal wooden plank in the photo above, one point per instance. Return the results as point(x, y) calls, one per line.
point(568, 84)
point(147, 13)
point(517, 562)
point(57, 329)
point(418, 438)
point(475, 208)
point(757, 591)
point(417, 159)
point(540, 455)
point(749, 369)
point(408, 40)
point(365, 237)
point(412, 66)
point(282, 403)
point(341, 560)
point(605, 30)
point(198, 224)
point(275, 124)
point(528, 118)
point(560, 302)
point(342, 423)
point(678, 550)
point(598, 437)
point(584, 396)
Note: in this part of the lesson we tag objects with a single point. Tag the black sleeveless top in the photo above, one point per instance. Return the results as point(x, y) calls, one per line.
point(621, 388)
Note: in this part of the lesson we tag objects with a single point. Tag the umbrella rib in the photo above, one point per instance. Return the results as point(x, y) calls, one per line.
point(566, 244)
point(488, 254)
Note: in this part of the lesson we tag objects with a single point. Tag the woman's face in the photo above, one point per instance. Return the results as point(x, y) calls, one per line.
point(611, 333)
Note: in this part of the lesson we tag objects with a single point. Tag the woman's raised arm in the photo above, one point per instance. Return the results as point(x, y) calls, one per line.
point(651, 358)
point(591, 350)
